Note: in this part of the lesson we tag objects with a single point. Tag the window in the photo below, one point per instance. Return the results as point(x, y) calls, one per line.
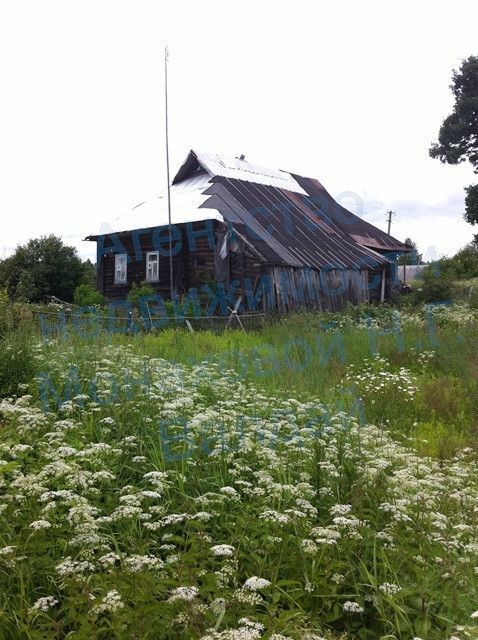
point(121, 267)
point(152, 266)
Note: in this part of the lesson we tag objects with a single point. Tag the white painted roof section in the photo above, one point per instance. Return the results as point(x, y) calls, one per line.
point(186, 199)
point(187, 195)
point(230, 167)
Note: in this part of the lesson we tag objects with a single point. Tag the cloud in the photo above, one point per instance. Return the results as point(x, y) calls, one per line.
point(440, 225)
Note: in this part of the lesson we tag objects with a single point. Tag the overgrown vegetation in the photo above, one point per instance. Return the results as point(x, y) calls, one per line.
point(88, 296)
point(139, 292)
point(438, 281)
point(313, 478)
point(44, 267)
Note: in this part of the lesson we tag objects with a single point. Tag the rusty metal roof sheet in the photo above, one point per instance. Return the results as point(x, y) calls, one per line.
point(287, 228)
point(359, 229)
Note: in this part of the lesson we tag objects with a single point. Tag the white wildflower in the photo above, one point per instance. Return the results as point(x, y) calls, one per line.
point(40, 524)
point(389, 588)
point(183, 593)
point(352, 607)
point(223, 550)
point(111, 603)
point(255, 583)
point(136, 563)
point(43, 604)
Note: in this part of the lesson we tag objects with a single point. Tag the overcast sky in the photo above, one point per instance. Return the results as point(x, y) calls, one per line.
point(351, 93)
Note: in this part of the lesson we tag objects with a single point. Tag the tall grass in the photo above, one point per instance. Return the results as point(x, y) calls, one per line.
point(268, 515)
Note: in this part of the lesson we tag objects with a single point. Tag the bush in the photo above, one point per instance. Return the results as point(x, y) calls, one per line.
point(461, 266)
point(139, 291)
point(466, 261)
point(433, 285)
point(87, 296)
point(166, 308)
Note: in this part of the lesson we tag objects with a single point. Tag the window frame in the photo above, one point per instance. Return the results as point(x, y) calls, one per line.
point(148, 254)
point(124, 268)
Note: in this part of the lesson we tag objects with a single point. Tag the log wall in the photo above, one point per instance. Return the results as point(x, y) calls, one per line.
point(195, 264)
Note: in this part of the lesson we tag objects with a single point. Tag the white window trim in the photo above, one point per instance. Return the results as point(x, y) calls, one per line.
point(123, 279)
point(148, 254)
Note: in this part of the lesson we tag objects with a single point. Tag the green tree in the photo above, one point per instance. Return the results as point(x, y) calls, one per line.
point(458, 136)
point(413, 257)
point(88, 296)
point(466, 261)
point(89, 273)
point(43, 267)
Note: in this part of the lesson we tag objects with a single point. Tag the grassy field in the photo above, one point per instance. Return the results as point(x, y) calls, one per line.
point(315, 478)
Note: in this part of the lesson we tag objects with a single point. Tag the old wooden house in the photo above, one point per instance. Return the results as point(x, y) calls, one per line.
point(253, 228)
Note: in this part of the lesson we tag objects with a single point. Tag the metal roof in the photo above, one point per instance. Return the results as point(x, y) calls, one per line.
point(187, 200)
point(286, 227)
point(359, 229)
point(240, 169)
point(288, 219)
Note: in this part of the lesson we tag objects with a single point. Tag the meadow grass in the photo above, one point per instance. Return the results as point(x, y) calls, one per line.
point(304, 356)
point(285, 483)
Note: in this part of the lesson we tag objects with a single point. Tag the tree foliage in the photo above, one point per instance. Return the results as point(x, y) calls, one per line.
point(88, 296)
point(458, 136)
point(89, 271)
point(471, 204)
point(414, 257)
point(43, 267)
point(465, 262)
point(462, 266)
point(140, 291)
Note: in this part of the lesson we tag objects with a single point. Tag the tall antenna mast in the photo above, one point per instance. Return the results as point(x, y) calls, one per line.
point(171, 281)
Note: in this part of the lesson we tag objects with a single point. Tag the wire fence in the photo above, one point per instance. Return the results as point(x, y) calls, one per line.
point(83, 317)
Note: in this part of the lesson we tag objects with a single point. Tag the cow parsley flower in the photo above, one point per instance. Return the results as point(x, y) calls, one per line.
point(7, 550)
point(136, 563)
point(255, 583)
point(183, 593)
point(73, 567)
point(389, 588)
point(110, 603)
point(37, 525)
point(352, 607)
point(340, 509)
point(223, 550)
point(43, 604)
point(109, 559)
point(218, 606)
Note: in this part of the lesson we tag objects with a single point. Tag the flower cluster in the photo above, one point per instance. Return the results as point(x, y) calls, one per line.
point(375, 378)
point(341, 518)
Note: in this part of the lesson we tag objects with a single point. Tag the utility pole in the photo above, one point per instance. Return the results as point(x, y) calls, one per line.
point(171, 280)
point(390, 214)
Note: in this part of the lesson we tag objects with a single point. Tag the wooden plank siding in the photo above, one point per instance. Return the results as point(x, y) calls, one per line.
point(190, 268)
point(330, 290)
point(194, 266)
